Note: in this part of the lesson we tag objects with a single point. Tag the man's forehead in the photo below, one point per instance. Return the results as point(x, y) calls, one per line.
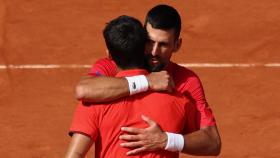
point(155, 33)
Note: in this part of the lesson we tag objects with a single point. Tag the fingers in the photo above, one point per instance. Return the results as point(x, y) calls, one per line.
point(132, 130)
point(148, 120)
point(132, 144)
point(171, 85)
point(160, 81)
point(169, 89)
point(127, 137)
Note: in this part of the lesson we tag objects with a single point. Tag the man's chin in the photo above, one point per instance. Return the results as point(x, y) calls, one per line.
point(156, 67)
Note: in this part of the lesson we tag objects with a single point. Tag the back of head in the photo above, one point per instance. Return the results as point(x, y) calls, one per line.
point(164, 17)
point(125, 39)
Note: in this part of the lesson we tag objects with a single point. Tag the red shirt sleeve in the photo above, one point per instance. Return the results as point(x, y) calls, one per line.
point(189, 112)
point(103, 67)
point(188, 83)
point(191, 116)
point(85, 121)
point(195, 90)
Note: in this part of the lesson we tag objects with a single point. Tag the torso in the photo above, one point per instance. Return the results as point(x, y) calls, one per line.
point(166, 110)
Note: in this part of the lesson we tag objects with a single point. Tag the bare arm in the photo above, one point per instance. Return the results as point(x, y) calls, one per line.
point(204, 142)
point(79, 146)
point(103, 88)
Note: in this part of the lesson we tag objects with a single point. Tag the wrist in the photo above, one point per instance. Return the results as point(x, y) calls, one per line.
point(164, 140)
point(175, 142)
point(137, 84)
point(149, 81)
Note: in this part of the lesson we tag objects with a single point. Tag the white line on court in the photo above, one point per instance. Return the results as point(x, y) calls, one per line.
point(198, 65)
point(44, 66)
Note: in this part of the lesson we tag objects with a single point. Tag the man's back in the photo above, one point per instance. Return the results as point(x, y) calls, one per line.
point(186, 82)
point(102, 122)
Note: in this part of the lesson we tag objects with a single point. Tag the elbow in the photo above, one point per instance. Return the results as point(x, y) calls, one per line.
point(215, 143)
point(80, 92)
point(216, 147)
point(84, 94)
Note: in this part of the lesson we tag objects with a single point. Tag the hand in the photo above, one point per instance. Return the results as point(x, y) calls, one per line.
point(148, 139)
point(160, 81)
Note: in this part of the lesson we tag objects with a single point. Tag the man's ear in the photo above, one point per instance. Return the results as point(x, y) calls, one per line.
point(108, 54)
point(178, 44)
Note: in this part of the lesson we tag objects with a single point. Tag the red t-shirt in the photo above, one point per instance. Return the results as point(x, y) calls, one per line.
point(186, 82)
point(102, 122)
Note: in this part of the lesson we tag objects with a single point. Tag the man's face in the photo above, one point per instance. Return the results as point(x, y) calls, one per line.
point(159, 47)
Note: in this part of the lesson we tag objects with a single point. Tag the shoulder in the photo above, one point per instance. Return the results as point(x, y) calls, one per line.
point(104, 66)
point(182, 71)
point(183, 76)
point(104, 61)
point(88, 108)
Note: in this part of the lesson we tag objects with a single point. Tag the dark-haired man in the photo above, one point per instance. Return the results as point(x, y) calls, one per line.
point(163, 25)
point(125, 39)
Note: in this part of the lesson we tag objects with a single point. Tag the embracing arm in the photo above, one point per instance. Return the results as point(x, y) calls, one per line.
point(101, 89)
point(79, 146)
point(204, 142)
point(104, 88)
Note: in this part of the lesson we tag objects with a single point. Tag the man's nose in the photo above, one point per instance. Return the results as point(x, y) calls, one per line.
point(155, 49)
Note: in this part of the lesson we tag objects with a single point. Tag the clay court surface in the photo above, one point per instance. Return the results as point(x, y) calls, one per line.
point(36, 104)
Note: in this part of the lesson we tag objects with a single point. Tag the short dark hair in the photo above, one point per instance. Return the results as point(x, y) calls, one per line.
point(164, 17)
point(125, 39)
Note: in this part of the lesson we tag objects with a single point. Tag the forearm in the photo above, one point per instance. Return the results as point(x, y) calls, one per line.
point(205, 142)
point(101, 89)
point(104, 88)
point(74, 155)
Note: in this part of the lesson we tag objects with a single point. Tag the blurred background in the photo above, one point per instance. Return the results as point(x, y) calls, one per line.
point(46, 46)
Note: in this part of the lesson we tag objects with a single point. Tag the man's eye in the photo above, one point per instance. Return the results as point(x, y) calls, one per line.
point(150, 41)
point(163, 44)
